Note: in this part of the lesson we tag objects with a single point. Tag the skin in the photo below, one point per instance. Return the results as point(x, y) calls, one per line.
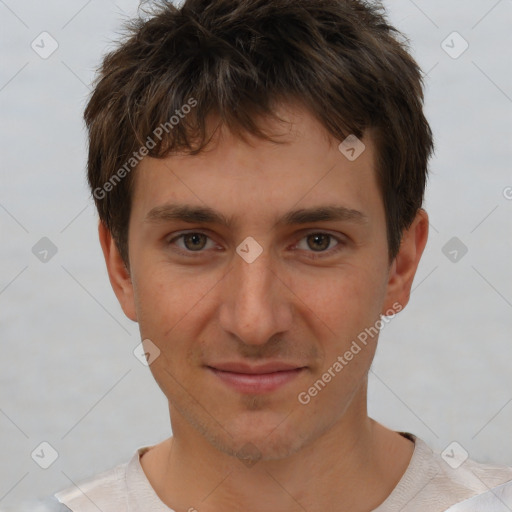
point(215, 307)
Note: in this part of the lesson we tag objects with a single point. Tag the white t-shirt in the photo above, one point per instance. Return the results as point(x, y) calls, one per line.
point(430, 484)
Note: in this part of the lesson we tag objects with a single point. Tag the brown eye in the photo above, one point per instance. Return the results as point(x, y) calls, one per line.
point(194, 241)
point(320, 245)
point(193, 244)
point(319, 241)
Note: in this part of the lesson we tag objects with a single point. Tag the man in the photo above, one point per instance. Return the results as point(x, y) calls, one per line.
point(259, 169)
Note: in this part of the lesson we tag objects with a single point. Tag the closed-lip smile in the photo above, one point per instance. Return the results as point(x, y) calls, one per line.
point(260, 378)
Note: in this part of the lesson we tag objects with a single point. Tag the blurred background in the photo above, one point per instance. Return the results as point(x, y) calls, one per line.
point(75, 399)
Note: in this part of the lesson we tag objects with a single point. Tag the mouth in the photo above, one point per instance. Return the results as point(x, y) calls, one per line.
point(262, 379)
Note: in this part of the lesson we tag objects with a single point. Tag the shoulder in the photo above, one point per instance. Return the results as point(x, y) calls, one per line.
point(436, 481)
point(459, 472)
point(106, 491)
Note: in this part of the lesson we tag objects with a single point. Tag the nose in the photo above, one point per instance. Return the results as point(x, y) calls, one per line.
point(255, 304)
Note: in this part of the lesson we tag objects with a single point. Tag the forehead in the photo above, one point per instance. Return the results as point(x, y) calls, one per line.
point(305, 168)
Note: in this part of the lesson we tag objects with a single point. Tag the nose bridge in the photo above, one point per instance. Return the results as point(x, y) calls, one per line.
point(253, 308)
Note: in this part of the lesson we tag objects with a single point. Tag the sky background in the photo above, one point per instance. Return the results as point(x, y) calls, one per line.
point(68, 376)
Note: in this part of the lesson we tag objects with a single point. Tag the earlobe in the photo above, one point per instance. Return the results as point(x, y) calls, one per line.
point(403, 268)
point(118, 274)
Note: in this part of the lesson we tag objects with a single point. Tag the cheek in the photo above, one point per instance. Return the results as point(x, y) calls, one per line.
point(165, 295)
point(172, 307)
point(164, 307)
point(159, 311)
point(344, 299)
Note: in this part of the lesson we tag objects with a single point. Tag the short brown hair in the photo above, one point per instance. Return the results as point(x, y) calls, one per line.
point(238, 59)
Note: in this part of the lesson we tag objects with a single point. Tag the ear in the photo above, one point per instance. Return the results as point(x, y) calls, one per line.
point(405, 264)
point(117, 272)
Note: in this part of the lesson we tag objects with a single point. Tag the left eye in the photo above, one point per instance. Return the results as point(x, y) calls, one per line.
point(318, 242)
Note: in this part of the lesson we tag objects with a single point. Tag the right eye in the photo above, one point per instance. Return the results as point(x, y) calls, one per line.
point(190, 242)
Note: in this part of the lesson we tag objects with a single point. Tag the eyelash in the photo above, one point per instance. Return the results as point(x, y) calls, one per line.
point(314, 255)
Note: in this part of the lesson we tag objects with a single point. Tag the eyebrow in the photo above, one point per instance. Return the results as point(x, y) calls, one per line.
point(204, 214)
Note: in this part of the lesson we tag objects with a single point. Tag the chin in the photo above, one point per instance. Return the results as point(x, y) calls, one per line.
point(265, 438)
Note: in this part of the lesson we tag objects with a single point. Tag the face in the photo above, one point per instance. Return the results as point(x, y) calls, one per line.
point(260, 277)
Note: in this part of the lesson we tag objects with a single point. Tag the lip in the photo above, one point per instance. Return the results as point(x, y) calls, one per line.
point(270, 367)
point(261, 379)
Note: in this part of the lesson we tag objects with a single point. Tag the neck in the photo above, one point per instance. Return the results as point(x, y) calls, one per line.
point(353, 466)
